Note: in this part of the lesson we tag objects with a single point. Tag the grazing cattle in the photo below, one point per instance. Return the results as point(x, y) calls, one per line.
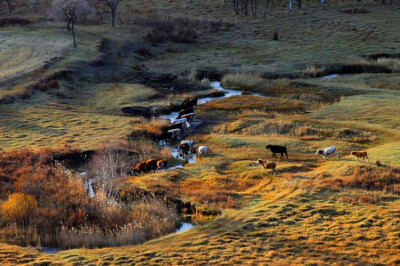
point(184, 112)
point(175, 133)
point(360, 154)
point(183, 121)
point(277, 149)
point(190, 142)
point(190, 117)
point(267, 165)
point(151, 165)
point(185, 147)
point(189, 103)
point(327, 151)
point(201, 150)
point(164, 136)
point(180, 126)
point(140, 167)
point(162, 164)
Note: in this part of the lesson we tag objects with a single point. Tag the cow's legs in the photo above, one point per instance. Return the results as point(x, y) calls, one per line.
point(273, 155)
point(367, 159)
point(287, 157)
point(281, 155)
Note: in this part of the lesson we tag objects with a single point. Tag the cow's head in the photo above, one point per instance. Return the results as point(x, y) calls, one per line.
point(259, 160)
point(353, 153)
point(268, 146)
point(319, 152)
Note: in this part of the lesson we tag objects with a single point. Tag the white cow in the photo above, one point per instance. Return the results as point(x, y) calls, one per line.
point(327, 151)
point(201, 150)
point(189, 142)
point(175, 133)
point(184, 122)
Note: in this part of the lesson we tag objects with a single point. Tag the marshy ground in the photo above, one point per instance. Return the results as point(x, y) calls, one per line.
point(311, 212)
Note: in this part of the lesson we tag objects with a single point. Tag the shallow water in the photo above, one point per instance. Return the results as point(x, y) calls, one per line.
point(184, 227)
point(49, 250)
point(331, 76)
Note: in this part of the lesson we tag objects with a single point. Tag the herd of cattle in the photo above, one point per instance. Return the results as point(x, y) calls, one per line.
point(324, 153)
point(186, 116)
point(173, 132)
point(181, 123)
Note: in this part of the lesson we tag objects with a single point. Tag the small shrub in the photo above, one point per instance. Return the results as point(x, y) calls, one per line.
point(347, 199)
point(242, 80)
point(194, 75)
point(4, 22)
point(354, 11)
point(366, 199)
point(143, 51)
point(18, 208)
point(181, 30)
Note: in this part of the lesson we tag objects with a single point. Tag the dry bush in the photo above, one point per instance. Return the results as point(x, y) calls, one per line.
point(313, 71)
point(347, 199)
point(4, 22)
point(366, 199)
point(149, 129)
point(143, 51)
point(53, 207)
point(181, 30)
point(364, 177)
point(354, 11)
point(242, 80)
point(194, 75)
point(18, 208)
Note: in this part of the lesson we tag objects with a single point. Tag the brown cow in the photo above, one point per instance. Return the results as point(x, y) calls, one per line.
point(360, 154)
point(267, 165)
point(140, 167)
point(162, 164)
point(151, 165)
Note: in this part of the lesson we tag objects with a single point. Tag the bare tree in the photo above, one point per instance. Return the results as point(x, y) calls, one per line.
point(9, 5)
point(70, 11)
point(113, 5)
point(107, 167)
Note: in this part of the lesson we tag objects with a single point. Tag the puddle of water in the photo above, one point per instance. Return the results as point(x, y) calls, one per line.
point(331, 76)
point(184, 227)
point(171, 117)
point(48, 250)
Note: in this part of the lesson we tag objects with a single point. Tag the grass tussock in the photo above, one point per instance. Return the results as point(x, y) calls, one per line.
point(149, 129)
point(242, 80)
point(313, 71)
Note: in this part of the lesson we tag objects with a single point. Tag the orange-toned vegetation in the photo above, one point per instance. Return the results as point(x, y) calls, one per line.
point(364, 177)
point(46, 204)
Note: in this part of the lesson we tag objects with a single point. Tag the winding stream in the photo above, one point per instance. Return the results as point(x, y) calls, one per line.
point(173, 115)
point(174, 151)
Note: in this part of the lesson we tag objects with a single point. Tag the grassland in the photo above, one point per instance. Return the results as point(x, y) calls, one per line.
point(296, 217)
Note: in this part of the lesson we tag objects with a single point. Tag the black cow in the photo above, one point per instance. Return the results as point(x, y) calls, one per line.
point(181, 126)
point(189, 117)
point(164, 137)
point(189, 103)
point(184, 112)
point(184, 149)
point(277, 149)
